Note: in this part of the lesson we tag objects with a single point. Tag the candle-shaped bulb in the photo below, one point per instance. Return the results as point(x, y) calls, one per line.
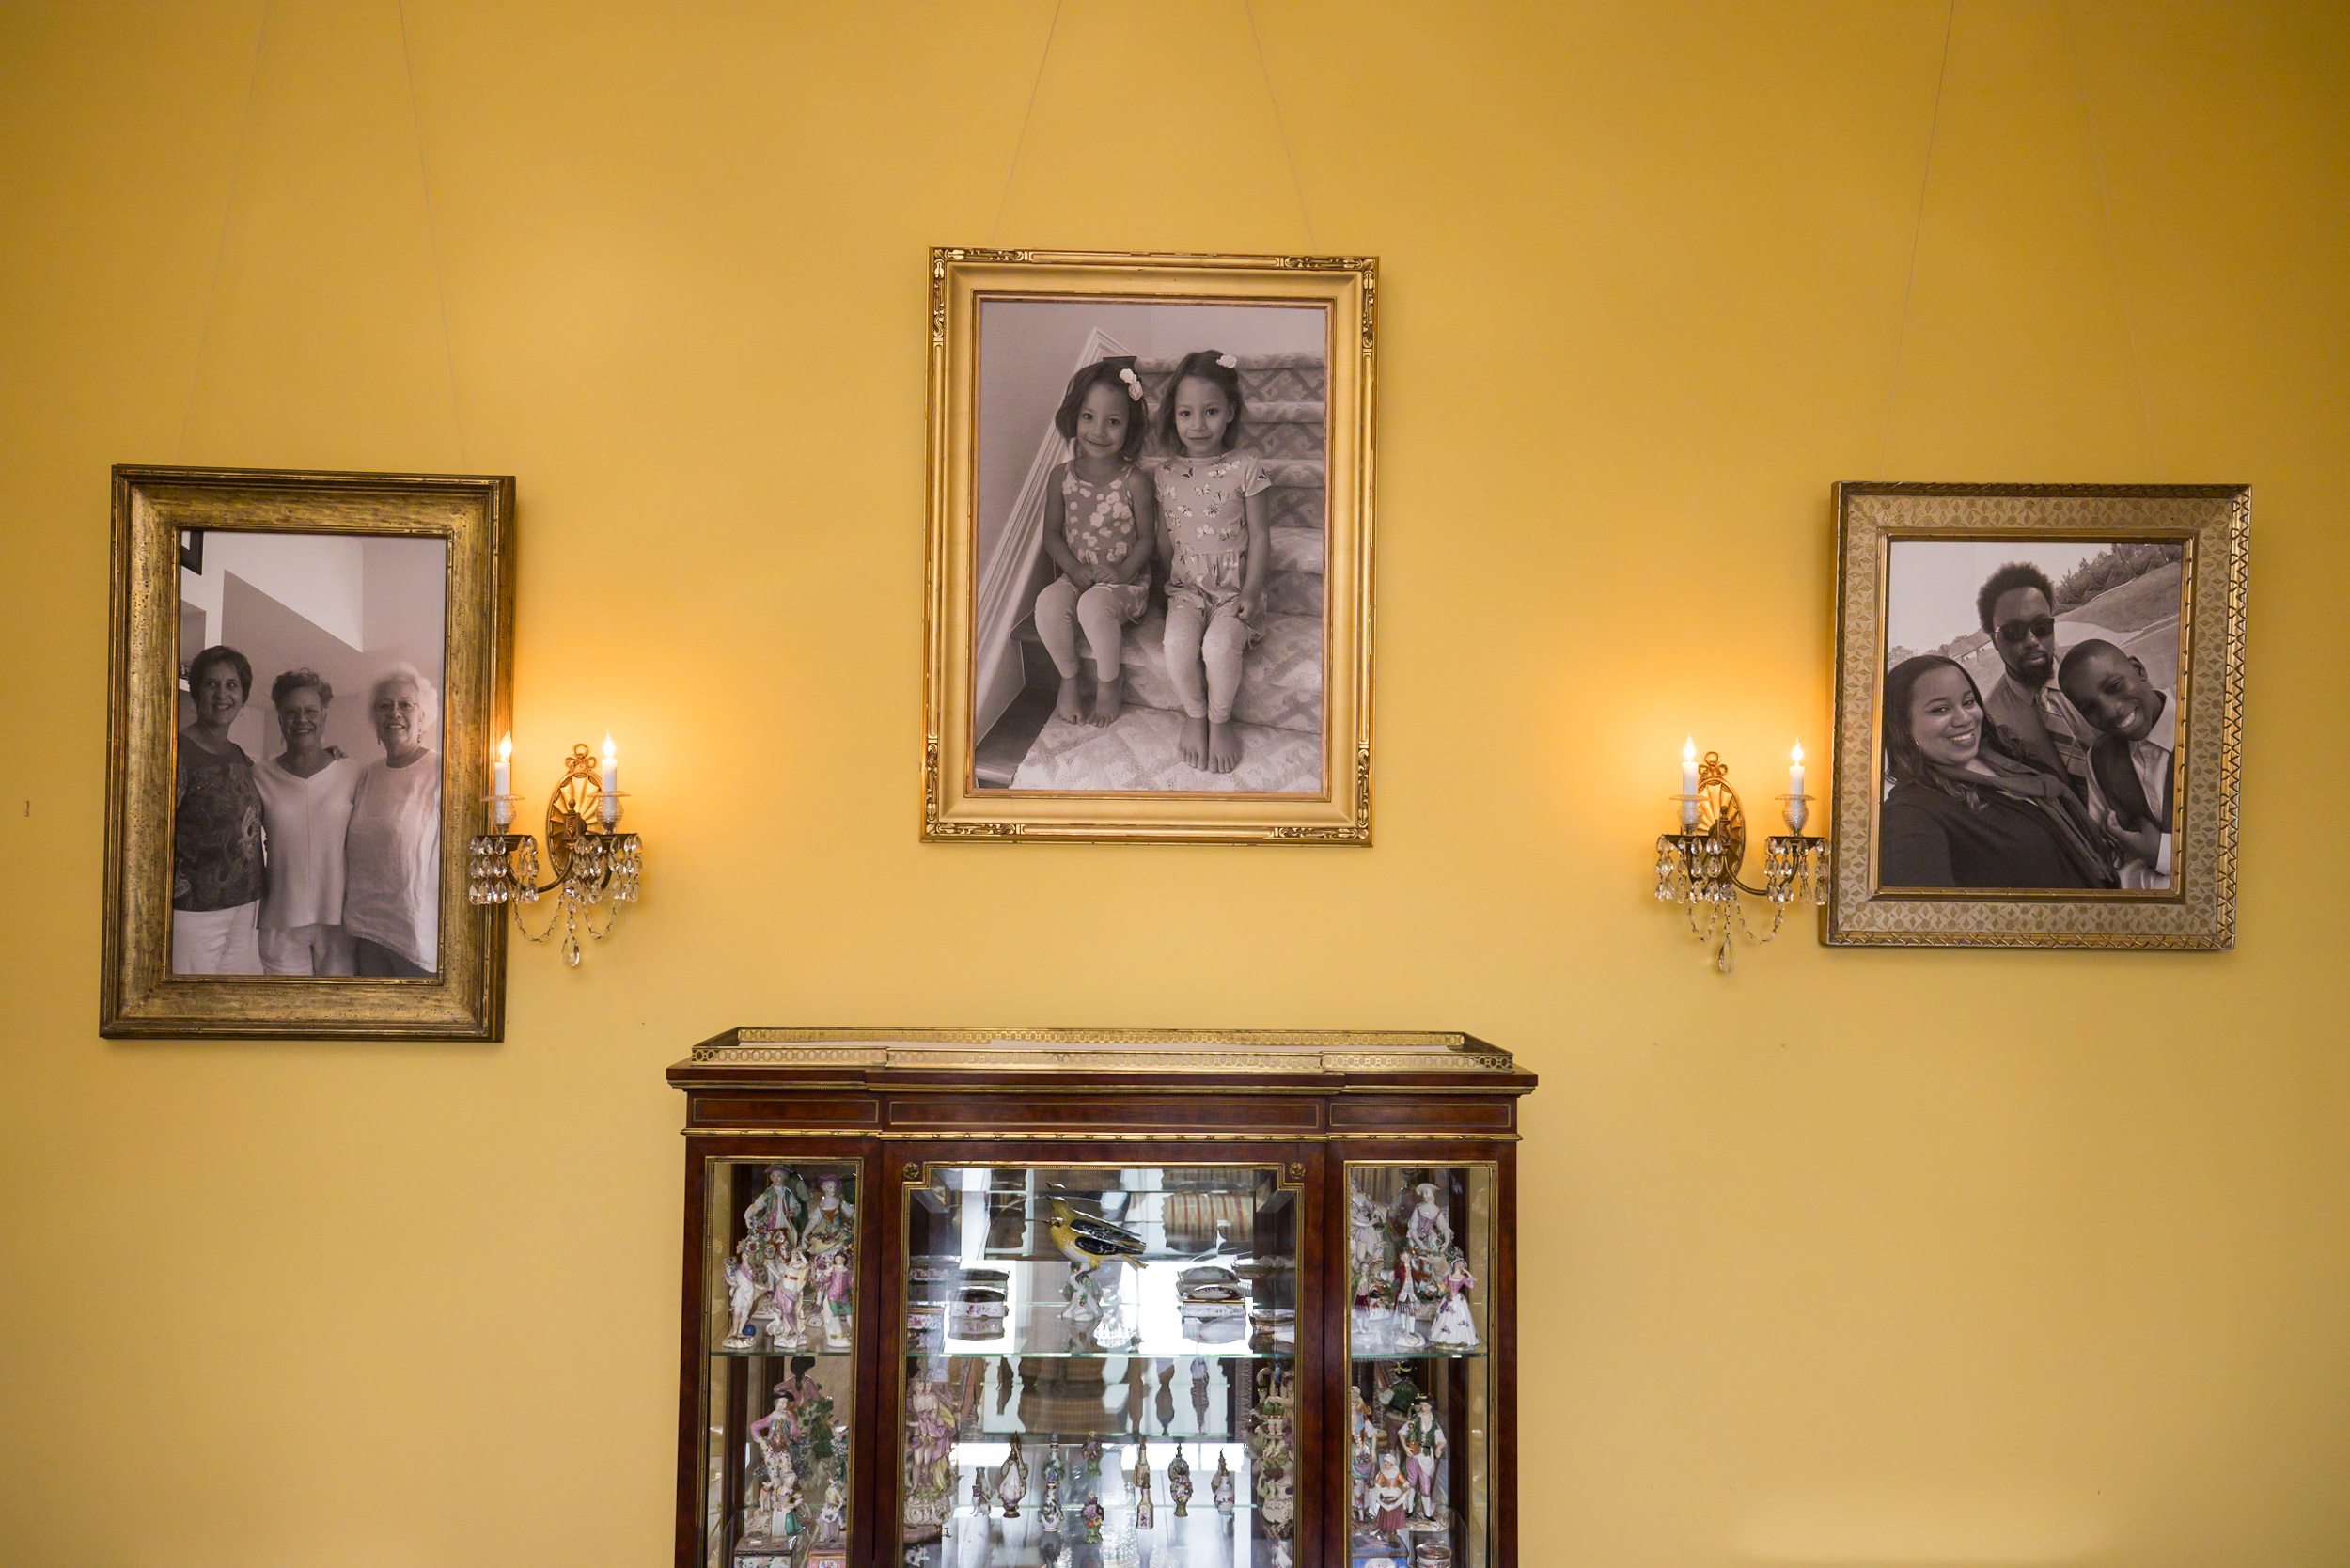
point(610, 779)
point(1795, 808)
point(501, 784)
point(1688, 783)
point(1689, 751)
point(610, 751)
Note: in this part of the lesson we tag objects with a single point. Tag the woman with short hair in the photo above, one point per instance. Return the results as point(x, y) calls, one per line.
point(1964, 812)
point(216, 877)
point(392, 852)
point(305, 806)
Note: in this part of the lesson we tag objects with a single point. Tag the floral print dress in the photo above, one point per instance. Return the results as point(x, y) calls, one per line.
point(1098, 521)
point(1204, 503)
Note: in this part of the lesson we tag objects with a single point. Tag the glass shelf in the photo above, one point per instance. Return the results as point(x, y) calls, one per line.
point(1478, 1354)
point(758, 1353)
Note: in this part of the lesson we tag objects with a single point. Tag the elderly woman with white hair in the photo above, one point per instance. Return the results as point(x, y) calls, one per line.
point(392, 877)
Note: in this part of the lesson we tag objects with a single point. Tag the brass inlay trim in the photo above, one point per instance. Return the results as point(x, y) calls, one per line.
point(1259, 1051)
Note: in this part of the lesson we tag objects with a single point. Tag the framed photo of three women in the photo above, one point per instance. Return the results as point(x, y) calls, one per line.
point(2039, 710)
point(307, 673)
point(1150, 526)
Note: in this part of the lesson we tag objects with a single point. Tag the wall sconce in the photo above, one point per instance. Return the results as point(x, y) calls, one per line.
point(1697, 866)
point(594, 867)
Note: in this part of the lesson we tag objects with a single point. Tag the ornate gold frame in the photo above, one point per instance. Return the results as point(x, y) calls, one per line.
point(952, 809)
point(2213, 522)
point(139, 997)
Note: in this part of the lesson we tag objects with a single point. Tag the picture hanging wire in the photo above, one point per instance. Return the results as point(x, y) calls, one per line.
point(228, 208)
point(1280, 126)
point(2105, 229)
point(220, 238)
point(431, 236)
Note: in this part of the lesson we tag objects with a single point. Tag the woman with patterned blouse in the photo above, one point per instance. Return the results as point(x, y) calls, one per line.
point(216, 874)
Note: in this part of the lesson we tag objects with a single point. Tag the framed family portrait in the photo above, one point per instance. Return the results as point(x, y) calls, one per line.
point(307, 670)
point(2038, 708)
point(1148, 613)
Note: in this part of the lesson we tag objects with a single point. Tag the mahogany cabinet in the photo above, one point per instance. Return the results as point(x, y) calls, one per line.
point(1090, 1299)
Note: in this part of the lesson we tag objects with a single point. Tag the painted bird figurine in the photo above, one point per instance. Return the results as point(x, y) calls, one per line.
point(1089, 1242)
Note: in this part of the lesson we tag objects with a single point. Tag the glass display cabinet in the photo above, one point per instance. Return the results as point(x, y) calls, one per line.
point(1117, 1299)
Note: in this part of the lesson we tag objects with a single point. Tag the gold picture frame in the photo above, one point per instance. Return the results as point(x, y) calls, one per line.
point(414, 543)
point(2115, 608)
point(982, 652)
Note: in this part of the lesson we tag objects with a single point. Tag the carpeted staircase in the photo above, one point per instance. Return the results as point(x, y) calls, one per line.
point(1279, 705)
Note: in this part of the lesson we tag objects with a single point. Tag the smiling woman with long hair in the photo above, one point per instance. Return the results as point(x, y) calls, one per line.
point(1964, 813)
point(392, 883)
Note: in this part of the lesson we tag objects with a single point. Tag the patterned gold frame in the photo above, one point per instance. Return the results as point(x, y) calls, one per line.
point(952, 809)
point(138, 995)
point(2213, 522)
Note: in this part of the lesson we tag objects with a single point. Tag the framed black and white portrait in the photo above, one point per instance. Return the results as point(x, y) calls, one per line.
point(306, 667)
point(1149, 547)
point(2038, 719)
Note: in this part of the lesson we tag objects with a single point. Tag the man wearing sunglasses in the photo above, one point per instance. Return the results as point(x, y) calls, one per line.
point(2025, 705)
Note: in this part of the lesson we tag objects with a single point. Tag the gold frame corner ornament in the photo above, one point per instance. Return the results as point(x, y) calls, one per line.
point(138, 995)
point(954, 809)
point(2213, 522)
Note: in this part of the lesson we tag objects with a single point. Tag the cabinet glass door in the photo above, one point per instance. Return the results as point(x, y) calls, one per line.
point(783, 1268)
point(1419, 1403)
point(1100, 1366)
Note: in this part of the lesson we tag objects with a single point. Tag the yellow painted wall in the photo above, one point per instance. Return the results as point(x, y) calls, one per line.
point(1854, 1258)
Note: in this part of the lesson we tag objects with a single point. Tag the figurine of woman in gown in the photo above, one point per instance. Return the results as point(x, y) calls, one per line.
point(1455, 1329)
point(1390, 1498)
point(1220, 1487)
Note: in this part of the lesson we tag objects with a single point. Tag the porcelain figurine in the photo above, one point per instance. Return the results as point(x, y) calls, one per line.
point(1280, 1509)
point(1093, 1513)
point(1166, 1401)
point(743, 1283)
point(832, 1519)
point(1362, 1433)
point(929, 1456)
point(979, 1490)
point(1179, 1483)
point(1368, 1244)
point(1220, 1487)
point(1454, 1327)
point(1269, 1433)
point(788, 1293)
point(829, 1227)
point(1428, 1253)
point(1423, 1444)
point(1090, 1451)
point(1013, 1484)
point(1200, 1395)
point(775, 1510)
point(1048, 1489)
point(836, 1281)
point(1142, 1482)
point(1091, 1246)
point(1390, 1499)
point(774, 1213)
